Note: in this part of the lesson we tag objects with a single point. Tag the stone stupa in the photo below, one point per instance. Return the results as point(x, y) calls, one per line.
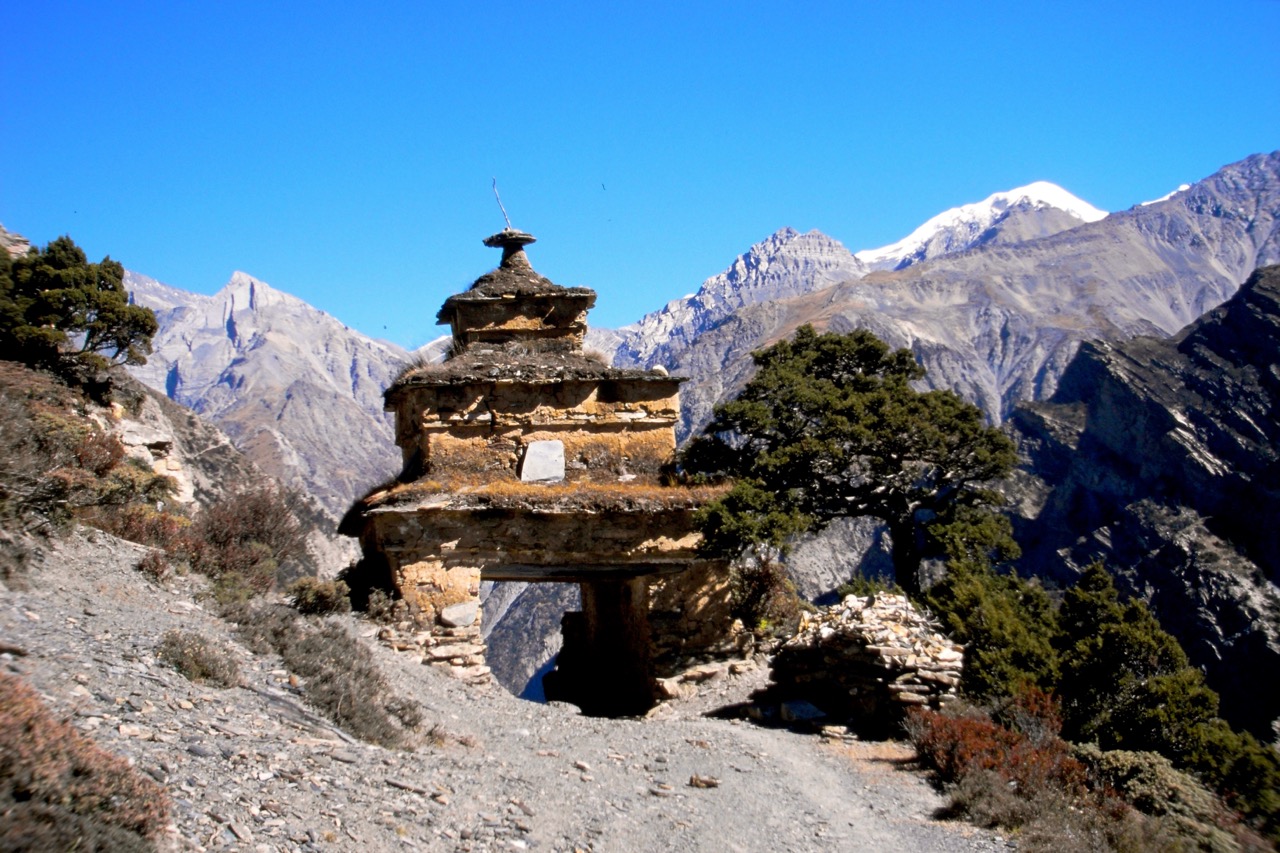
point(527, 458)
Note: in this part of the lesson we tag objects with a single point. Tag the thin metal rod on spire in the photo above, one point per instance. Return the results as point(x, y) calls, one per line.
point(500, 207)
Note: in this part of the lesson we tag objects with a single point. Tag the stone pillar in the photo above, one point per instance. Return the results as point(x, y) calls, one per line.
point(449, 599)
point(605, 665)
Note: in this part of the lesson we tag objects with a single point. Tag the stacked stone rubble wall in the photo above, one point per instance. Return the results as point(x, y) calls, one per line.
point(867, 660)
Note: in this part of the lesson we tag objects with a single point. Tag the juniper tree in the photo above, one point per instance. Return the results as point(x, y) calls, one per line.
point(831, 427)
point(56, 307)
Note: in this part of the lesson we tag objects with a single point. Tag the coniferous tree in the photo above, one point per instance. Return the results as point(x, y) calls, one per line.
point(830, 427)
point(57, 309)
point(1007, 624)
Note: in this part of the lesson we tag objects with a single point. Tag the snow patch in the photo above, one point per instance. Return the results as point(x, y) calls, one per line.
point(1181, 188)
point(983, 213)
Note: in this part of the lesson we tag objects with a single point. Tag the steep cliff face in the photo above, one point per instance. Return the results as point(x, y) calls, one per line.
point(1161, 458)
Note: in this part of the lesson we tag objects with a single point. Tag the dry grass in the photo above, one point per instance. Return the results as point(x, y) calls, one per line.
point(512, 493)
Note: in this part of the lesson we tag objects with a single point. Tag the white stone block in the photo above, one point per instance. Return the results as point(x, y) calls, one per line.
point(543, 462)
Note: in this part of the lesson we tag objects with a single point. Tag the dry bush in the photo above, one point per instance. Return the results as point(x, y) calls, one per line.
point(1015, 771)
point(155, 565)
point(198, 658)
point(341, 678)
point(314, 597)
point(141, 523)
point(242, 541)
point(965, 741)
point(98, 452)
point(60, 791)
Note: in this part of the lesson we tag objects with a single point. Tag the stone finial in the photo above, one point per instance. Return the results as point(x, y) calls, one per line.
point(512, 242)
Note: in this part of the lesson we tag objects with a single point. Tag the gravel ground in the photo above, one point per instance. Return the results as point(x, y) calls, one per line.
point(251, 768)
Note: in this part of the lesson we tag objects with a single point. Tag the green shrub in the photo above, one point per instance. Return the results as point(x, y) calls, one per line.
point(763, 596)
point(312, 596)
point(1149, 782)
point(1006, 625)
point(862, 586)
point(60, 791)
point(198, 658)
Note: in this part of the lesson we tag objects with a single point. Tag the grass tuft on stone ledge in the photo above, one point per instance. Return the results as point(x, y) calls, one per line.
point(635, 496)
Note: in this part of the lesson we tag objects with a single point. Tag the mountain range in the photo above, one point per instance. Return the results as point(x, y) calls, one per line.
point(996, 317)
point(300, 393)
point(297, 391)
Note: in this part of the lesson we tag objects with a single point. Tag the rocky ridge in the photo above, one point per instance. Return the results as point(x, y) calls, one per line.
point(1036, 210)
point(785, 264)
point(298, 392)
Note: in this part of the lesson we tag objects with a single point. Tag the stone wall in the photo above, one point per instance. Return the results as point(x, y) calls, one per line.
point(437, 554)
point(691, 618)
point(563, 317)
point(866, 660)
point(609, 429)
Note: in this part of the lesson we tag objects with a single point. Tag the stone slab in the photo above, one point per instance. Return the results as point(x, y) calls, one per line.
point(543, 462)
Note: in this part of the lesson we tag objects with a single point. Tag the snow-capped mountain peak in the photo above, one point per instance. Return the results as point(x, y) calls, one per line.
point(970, 225)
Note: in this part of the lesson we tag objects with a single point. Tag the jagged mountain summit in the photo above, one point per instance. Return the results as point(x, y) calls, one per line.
point(785, 264)
point(1036, 210)
point(1159, 457)
point(998, 323)
point(297, 391)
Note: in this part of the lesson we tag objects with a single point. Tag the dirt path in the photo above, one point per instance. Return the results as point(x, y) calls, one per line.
point(248, 768)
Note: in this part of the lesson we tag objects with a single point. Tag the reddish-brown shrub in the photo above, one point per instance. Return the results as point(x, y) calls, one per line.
point(266, 516)
point(155, 565)
point(243, 541)
point(956, 745)
point(45, 762)
point(98, 452)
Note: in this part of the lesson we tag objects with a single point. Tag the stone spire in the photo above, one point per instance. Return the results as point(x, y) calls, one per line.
point(514, 303)
point(512, 242)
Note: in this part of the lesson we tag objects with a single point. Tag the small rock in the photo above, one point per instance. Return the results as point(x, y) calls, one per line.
point(460, 615)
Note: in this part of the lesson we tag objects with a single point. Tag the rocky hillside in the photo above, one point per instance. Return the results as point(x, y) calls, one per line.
point(998, 323)
point(1159, 457)
point(252, 766)
point(298, 392)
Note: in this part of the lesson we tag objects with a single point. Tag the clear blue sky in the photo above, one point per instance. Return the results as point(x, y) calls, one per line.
point(345, 154)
